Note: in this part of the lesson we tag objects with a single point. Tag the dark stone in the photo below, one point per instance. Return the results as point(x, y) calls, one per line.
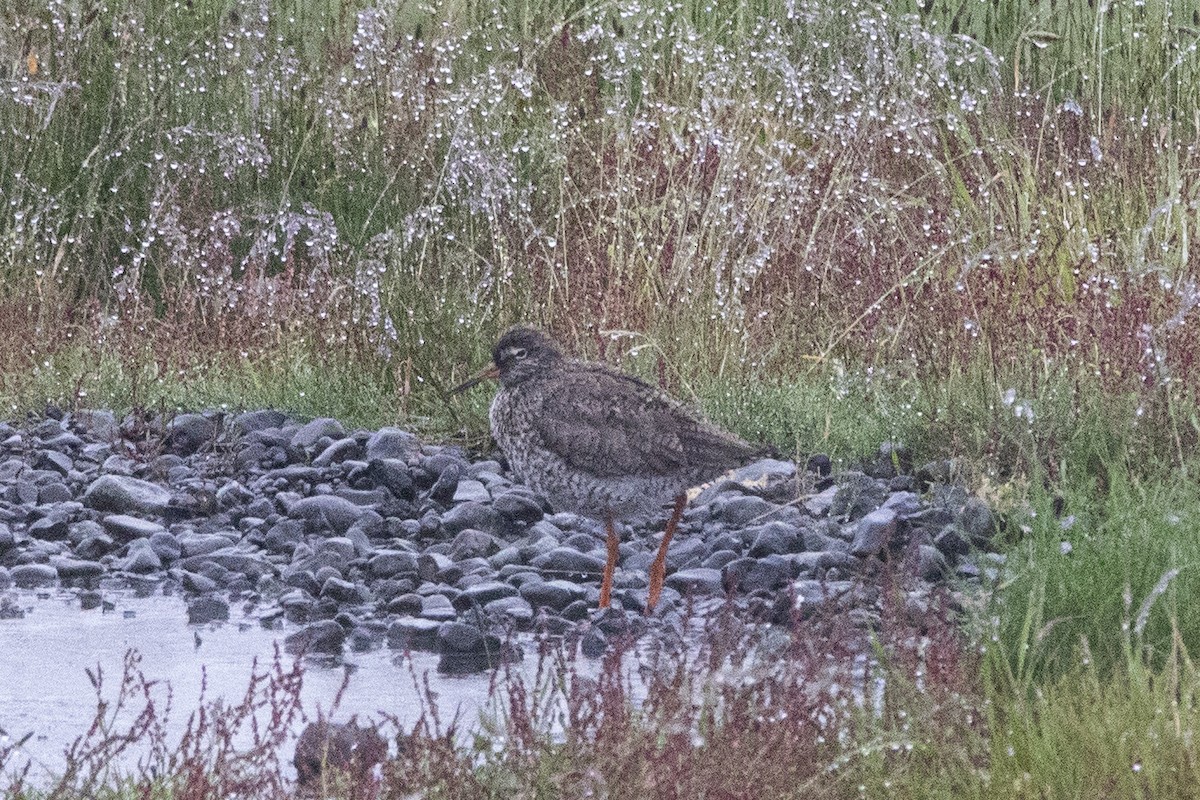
point(472, 515)
point(518, 505)
point(483, 593)
point(202, 610)
point(325, 636)
point(856, 496)
point(392, 443)
point(327, 512)
point(554, 594)
point(774, 538)
point(325, 748)
point(314, 431)
point(55, 461)
point(874, 532)
point(76, 568)
point(390, 563)
point(125, 528)
point(30, 576)
point(189, 433)
point(699, 580)
point(343, 591)
point(393, 475)
point(122, 494)
point(413, 634)
point(471, 543)
point(566, 562)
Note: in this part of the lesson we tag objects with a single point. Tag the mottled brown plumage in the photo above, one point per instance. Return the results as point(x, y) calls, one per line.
point(599, 442)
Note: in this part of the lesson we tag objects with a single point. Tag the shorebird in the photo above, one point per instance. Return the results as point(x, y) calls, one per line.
point(599, 442)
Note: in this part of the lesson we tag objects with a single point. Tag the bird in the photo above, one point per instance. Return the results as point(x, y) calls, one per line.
point(600, 442)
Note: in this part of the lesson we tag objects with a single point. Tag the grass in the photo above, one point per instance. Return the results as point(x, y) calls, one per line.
point(966, 227)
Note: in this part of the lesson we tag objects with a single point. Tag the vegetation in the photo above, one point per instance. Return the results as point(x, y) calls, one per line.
point(964, 226)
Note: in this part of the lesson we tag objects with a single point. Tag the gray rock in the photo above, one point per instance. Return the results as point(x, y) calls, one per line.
point(203, 610)
point(471, 543)
point(141, 558)
point(472, 515)
point(325, 636)
point(393, 474)
point(314, 431)
point(774, 537)
point(54, 493)
point(460, 638)
point(124, 528)
point(483, 593)
point(518, 505)
point(390, 563)
point(252, 421)
point(413, 634)
point(342, 591)
point(699, 580)
point(978, 522)
point(874, 532)
point(187, 434)
point(51, 528)
point(736, 512)
point(54, 460)
point(392, 443)
point(857, 495)
point(76, 568)
point(566, 562)
point(342, 450)
point(122, 494)
point(327, 512)
point(554, 594)
point(30, 576)
point(516, 610)
point(471, 491)
point(437, 607)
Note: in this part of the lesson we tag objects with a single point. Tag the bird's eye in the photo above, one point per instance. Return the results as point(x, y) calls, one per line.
point(519, 353)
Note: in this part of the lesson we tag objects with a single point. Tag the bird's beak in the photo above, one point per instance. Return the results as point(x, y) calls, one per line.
point(488, 372)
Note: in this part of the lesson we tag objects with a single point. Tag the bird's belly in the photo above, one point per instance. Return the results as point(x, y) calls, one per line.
point(568, 489)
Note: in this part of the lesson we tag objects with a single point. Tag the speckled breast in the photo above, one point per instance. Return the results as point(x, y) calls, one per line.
point(568, 488)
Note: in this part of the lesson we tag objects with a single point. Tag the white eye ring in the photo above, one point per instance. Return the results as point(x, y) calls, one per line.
point(519, 353)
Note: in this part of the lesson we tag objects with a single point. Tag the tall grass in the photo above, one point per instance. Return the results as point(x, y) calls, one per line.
point(755, 186)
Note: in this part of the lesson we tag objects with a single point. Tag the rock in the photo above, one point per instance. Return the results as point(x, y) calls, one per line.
point(122, 494)
point(413, 634)
point(470, 491)
point(482, 593)
point(124, 528)
point(699, 580)
point(325, 748)
point(342, 591)
point(31, 576)
point(437, 607)
point(472, 515)
point(189, 433)
point(874, 532)
point(978, 522)
point(314, 431)
point(554, 594)
point(325, 636)
point(566, 562)
point(141, 558)
point(390, 563)
point(326, 512)
point(253, 421)
point(518, 505)
point(392, 443)
point(202, 610)
point(76, 568)
point(392, 474)
point(856, 496)
point(339, 451)
point(471, 543)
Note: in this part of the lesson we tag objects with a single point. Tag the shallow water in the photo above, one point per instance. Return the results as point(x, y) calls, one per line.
point(45, 689)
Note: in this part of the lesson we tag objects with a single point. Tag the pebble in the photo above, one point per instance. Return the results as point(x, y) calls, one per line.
point(414, 545)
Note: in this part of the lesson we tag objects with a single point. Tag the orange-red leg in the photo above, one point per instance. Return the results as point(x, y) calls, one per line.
point(614, 552)
point(658, 568)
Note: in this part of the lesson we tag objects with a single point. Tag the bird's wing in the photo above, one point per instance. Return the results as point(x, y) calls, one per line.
point(608, 424)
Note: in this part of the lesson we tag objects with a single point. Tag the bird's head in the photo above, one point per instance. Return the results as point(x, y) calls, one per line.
point(522, 353)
